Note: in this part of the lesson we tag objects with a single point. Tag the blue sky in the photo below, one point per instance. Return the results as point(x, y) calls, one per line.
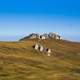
point(18, 18)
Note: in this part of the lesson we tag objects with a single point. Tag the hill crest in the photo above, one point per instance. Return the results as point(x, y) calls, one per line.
point(50, 35)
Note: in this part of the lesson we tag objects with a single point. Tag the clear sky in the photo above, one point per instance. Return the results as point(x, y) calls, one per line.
point(21, 17)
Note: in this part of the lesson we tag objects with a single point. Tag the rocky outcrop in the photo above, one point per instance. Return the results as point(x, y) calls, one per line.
point(42, 36)
point(42, 49)
point(30, 36)
point(33, 35)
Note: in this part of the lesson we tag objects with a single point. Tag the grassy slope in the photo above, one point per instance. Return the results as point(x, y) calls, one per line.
point(19, 61)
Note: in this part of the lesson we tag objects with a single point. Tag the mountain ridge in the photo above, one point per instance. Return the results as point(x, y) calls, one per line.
point(50, 35)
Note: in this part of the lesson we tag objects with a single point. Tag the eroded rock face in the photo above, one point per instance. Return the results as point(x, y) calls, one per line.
point(33, 35)
point(41, 48)
point(46, 35)
point(42, 36)
point(48, 50)
point(52, 35)
point(36, 46)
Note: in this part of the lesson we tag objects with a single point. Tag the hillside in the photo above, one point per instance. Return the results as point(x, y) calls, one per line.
point(19, 61)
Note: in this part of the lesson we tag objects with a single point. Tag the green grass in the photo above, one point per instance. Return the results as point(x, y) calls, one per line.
point(19, 61)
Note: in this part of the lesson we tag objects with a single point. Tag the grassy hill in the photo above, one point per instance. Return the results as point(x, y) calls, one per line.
point(19, 61)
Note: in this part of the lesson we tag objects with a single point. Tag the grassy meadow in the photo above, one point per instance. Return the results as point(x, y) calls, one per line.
point(19, 61)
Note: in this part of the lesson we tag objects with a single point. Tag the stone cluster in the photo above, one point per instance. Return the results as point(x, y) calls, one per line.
point(42, 49)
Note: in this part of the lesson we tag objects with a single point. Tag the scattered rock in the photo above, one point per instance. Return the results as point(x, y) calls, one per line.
point(39, 47)
point(36, 46)
point(48, 50)
point(48, 54)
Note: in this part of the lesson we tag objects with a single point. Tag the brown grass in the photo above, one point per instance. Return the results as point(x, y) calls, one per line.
point(19, 61)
